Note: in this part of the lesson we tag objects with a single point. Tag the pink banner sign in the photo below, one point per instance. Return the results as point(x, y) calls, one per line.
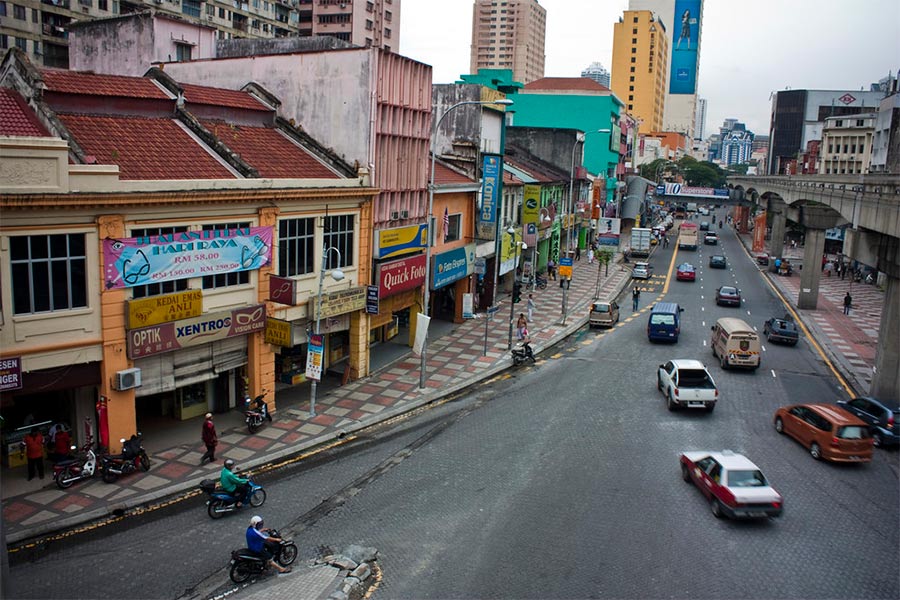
point(400, 275)
point(157, 258)
point(175, 335)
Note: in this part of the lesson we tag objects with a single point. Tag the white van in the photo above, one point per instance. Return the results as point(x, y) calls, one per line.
point(735, 344)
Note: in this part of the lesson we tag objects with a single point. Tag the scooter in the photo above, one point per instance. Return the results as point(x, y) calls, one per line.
point(220, 502)
point(132, 458)
point(522, 352)
point(67, 472)
point(245, 563)
point(256, 416)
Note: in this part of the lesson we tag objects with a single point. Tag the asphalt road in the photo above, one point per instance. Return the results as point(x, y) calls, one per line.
point(560, 481)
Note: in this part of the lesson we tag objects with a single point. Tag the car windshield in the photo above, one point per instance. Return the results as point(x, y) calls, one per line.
point(718, 259)
point(661, 319)
point(748, 478)
point(787, 325)
point(853, 432)
point(686, 267)
point(725, 291)
point(601, 308)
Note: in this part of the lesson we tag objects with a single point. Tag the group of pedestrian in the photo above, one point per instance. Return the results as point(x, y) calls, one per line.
point(59, 448)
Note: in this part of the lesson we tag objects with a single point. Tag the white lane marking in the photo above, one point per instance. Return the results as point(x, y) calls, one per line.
point(773, 373)
point(703, 323)
point(763, 348)
point(754, 327)
point(704, 343)
point(702, 308)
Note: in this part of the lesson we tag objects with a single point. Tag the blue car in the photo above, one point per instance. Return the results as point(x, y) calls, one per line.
point(883, 417)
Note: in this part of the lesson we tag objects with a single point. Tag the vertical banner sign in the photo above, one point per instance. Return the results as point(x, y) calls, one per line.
point(372, 299)
point(422, 322)
point(531, 207)
point(468, 306)
point(759, 232)
point(314, 357)
point(492, 170)
point(685, 41)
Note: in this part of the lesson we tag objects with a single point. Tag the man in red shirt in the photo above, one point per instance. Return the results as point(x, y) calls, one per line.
point(210, 440)
point(34, 452)
point(61, 445)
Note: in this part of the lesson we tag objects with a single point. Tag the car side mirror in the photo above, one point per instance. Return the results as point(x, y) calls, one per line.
point(680, 309)
point(713, 328)
point(662, 366)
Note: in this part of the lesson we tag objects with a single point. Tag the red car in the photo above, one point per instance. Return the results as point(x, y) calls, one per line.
point(686, 272)
point(734, 486)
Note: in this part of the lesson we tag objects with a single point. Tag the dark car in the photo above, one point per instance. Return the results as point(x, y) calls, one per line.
point(717, 261)
point(883, 417)
point(728, 296)
point(762, 259)
point(686, 272)
point(781, 330)
point(704, 225)
point(711, 239)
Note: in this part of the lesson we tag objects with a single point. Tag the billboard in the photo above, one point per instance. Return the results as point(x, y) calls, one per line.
point(685, 46)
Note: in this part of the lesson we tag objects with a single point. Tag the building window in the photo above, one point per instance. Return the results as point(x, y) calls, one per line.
point(183, 52)
point(36, 46)
point(387, 33)
point(34, 15)
point(631, 98)
point(634, 40)
point(635, 19)
point(631, 78)
point(50, 272)
point(226, 279)
point(839, 123)
point(166, 287)
point(222, 13)
point(339, 233)
point(103, 5)
point(633, 59)
point(634, 50)
point(634, 31)
point(388, 16)
point(632, 69)
point(19, 12)
point(2, 9)
point(296, 253)
point(859, 122)
point(454, 227)
point(191, 8)
point(22, 44)
point(369, 24)
point(631, 87)
point(4, 41)
point(210, 9)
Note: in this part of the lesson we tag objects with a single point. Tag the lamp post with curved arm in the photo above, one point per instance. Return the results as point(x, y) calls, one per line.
point(337, 275)
point(430, 218)
point(512, 305)
point(544, 217)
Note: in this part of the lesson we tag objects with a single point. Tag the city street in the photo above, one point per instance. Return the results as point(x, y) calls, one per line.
point(558, 480)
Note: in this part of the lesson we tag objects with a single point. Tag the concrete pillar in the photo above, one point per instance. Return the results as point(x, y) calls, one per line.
point(812, 268)
point(776, 242)
point(886, 379)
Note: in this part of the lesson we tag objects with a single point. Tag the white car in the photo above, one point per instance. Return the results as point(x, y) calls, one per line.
point(641, 270)
point(732, 484)
point(686, 383)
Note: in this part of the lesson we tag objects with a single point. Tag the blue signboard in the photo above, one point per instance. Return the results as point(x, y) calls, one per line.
point(685, 44)
point(452, 265)
point(490, 190)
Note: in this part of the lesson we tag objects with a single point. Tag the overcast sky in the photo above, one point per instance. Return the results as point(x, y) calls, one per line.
point(749, 48)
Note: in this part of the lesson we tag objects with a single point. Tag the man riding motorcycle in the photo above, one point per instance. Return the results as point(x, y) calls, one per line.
point(231, 483)
point(258, 541)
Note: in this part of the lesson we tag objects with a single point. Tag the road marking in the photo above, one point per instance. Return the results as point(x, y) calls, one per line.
point(773, 373)
point(704, 343)
point(557, 355)
point(703, 323)
point(763, 348)
point(702, 308)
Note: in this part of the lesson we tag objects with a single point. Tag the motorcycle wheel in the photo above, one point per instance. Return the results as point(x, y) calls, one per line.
point(258, 498)
point(65, 479)
point(109, 476)
point(287, 555)
point(211, 509)
point(240, 572)
point(252, 426)
point(145, 463)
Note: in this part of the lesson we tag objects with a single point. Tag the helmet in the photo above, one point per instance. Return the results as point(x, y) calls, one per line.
point(229, 463)
point(255, 520)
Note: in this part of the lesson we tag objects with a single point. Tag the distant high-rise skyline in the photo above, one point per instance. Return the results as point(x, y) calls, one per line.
point(700, 120)
point(509, 36)
point(598, 73)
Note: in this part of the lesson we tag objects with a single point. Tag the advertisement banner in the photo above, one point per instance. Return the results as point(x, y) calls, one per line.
point(160, 309)
point(608, 230)
point(422, 322)
point(453, 265)
point(677, 189)
point(398, 241)
point(314, 354)
point(468, 306)
point(509, 250)
point(685, 41)
point(490, 189)
point(759, 232)
point(531, 204)
point(10, 373)
point(168, 257)
point(176, 335)
point(400, 275)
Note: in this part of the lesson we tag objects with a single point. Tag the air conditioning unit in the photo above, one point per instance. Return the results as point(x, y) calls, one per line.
point(404, 214)
point(394, 215)
point(128, 379)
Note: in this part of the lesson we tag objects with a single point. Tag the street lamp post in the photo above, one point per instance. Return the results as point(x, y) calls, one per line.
point(512, 305)
point(337, 275)
point(543, 217)
point(429, 218)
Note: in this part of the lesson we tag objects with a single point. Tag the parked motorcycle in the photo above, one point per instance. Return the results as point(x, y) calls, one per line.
point(522, 352)
point(132, 458)
point(245, 563)
point(67, 472)
point(220, 502)
point(537, 281)
point(257, 412)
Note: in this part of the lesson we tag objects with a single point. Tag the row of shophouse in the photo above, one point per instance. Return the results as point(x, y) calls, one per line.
point(167, 238)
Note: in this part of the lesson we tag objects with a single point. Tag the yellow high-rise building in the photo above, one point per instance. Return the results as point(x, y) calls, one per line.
point(640, 67)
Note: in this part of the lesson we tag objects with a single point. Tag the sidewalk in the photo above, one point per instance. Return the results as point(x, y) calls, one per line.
point(454, 361)
point(850, 341)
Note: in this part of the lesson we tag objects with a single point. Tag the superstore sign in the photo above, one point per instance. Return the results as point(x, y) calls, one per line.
point(168, 337)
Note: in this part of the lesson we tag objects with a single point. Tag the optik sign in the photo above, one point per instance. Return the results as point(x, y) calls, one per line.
point(492, 169)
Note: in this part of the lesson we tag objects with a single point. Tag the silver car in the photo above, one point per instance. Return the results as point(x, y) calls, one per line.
point(641, 270)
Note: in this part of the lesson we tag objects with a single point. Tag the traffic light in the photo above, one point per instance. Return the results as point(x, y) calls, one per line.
point(517, 292)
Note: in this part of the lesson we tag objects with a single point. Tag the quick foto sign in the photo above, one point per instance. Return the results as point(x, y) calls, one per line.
point(157, 258)
point(492, 169)
point(168, 337)
point(400, 275)
point(398, 241)
point(453, 265)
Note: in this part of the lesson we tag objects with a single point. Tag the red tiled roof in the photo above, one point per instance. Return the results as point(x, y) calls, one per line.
point(511, 179)
point(16, 118)
point(566, 83)
point(75, 82)
point(144, 148)
point(270, 152)
point(444, 175)
point(200, 94)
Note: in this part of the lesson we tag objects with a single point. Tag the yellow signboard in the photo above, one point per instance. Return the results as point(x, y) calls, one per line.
point(400, 240)
point(343, 301)
point(278, 332)
point(531, 206)
point(162, 309)
point(565, 270)
point(508, 245)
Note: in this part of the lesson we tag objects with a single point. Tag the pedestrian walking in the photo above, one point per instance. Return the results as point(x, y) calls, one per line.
point(530, 306)
point(590, 256)
point(34, 452)
point(577, 252)
point(521, 327)
point(635, 298)
point(551, 269)
point(210, 440)
point(665, 241)
point(848, 300)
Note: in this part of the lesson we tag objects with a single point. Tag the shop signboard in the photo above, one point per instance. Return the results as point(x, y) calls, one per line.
point(492, 170)
point(314, 357)
point(283, 290)
point(372, 300)
point(531, 204)
point(175, 335)
point(10, 373)
point(398, 241)
point(759, 232)
point(278, 332)
point(508, 251)
point(468, 311)
point(565, 266)
point(172, 256)
point(340, 302)
point(453, 265)
point(400, 275)
point(161, 309)
point(608, 230)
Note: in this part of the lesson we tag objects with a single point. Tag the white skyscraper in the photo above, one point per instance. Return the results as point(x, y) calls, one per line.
point(700, 120)
point(598, 73)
